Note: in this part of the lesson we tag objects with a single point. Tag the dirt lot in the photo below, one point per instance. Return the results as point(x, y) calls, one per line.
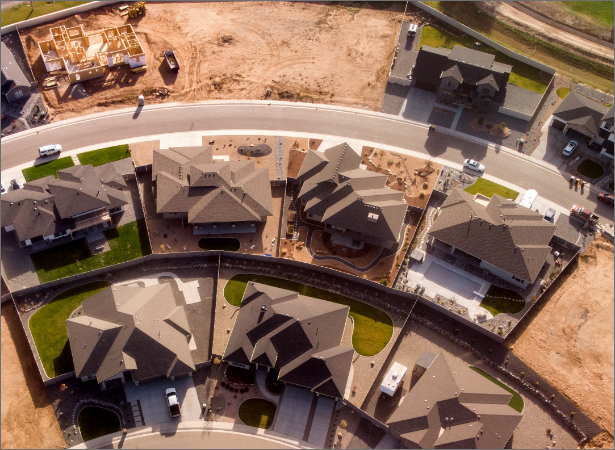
point(312, 52)
point(28, 420)
point(569, 339)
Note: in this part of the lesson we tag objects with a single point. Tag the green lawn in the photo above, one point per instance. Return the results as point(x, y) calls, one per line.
point(488, 188)
point(373, 328)
point(22, 12)
point(496, 305)
point(96, 422)
point(104, 155)
point(127, 242)
point(257, 412)
point(522, 75)
point(228, 244)
point(516, 402)
point(48, 327)
point(49, 168)
point(599, 12)
point(590, 169)
point(562, 92)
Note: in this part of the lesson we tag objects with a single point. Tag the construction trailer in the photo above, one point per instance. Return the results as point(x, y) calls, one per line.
point(84, 57)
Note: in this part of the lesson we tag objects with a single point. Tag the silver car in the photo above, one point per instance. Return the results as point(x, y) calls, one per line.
point(571, 147)
point(474, 165)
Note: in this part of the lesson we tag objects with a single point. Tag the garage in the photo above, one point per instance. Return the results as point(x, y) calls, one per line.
point(426, 86)
point(558, 124)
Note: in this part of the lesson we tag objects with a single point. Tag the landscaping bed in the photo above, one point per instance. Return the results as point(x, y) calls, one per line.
point(272, 383)
point(373, 328)
point(95, 422)
point(48, 327)
point(227, 244)
point(488, 188)
point(104, 155)
point(237, 375)
point(127, 242)
point(48, 168)
point(501, 300)
point(257, 412)
point(590, 169)
point(516, 402)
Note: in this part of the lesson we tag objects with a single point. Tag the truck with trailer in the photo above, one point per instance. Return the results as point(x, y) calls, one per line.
point(584, 214)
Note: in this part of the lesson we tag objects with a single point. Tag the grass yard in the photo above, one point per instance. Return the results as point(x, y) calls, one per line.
point(597, 12)
point(127, 242)
point(228, 244)
point(48, 327)
point(590, 169)
point(22, 12)
point(562, 92)
point(575, 67)
point(104, 155)
point(488, 188)
point(96, 422)
point(495, 304)
point(522, 75)
point(49, 168)
point(373, 328)
point(516, 402)
point(257, 412)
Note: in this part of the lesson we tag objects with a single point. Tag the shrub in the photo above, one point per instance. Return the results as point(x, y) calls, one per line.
point(421, 194)
point(344, 424)
point(502, 126)
point(390, 162)
point(384, 282)
point(481, 120)
point(216, 360)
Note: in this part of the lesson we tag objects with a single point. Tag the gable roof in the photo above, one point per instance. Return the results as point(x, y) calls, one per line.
point(449, 390)
point(298, 335)
point(504, 234)
point(188, 180)
point(608, 116)
point(11, 70)
point(336, 189)
point(131, 328)
point(579, 110)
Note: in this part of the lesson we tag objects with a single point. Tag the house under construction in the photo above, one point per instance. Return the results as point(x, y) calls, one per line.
point(85, 56)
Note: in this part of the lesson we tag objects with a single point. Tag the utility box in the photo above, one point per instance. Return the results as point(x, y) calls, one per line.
point(141, 100)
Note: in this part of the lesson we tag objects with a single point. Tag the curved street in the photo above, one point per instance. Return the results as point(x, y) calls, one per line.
point(503, 163)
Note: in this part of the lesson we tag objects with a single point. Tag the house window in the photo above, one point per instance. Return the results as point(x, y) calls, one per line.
point(608, 126)
point(449, 83)
point(518, 279)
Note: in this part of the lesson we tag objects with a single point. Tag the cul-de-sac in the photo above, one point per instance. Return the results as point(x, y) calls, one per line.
point(319, 225)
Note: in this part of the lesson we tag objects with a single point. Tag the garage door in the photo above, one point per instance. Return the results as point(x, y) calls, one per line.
point(558, 124)
point(426, 86)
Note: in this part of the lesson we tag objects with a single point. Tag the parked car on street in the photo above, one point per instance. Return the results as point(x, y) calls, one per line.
point(15, 184)
point(474, 165)
point(606, 198)
point(173, 402)
point(571, 147)
point(49, 149)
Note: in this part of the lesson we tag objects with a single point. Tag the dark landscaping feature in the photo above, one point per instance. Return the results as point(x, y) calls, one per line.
point(127, 242)
point(373, 328)
point(611, 185)
point(104, 155)
point(48, 327)
point(237, 375)
point(257, 150)
point(590, 169)
point(95, 422)
point(227, 244)
point(48, 168)
point(516, 402)
point(257, 412)
point(273, 384)
point(501, 300)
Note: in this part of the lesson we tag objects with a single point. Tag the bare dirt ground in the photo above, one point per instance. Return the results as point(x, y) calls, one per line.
point(310, 52)
point(569, 339)
point(28, 419)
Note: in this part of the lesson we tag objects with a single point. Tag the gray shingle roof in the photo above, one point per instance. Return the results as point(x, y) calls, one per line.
point(298, 335)
point(188, 180)
point(136, 328)
point(579, 110)
point(450, 389)
point(608, 116)
point(348, 197)
point(10, 68)
point(504, 234)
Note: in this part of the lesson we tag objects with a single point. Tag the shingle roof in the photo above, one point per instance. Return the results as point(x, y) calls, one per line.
point(10, 69)
point(451, 390)
point(189, 180)
point(348, 197)
point(453, 72)
point(579, 110)
point(135, 328)
point(504, 234)
point(298, 335)
point(608, 116)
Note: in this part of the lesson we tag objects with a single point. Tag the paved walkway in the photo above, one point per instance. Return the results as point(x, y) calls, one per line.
point(261, 380)
point(189, 289)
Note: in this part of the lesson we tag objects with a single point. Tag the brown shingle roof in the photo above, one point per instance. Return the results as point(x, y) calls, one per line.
point(580, 110)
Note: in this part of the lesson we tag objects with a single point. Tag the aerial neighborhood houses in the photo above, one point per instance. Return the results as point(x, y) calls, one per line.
point(214, 196)
point(587, 117)
point(508, 240)
point(81, 199)
point(299, 336)
point(354, 204)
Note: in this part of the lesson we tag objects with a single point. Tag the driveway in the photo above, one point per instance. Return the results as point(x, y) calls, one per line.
point(294, 411)
point(553, 142)
point(418, 105)
point(151, 396)
point(321, 421)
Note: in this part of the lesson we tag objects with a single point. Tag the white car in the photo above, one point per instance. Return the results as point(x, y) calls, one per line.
point(571, 147)
point(412, 29)
point(474, 165)
point(173, 402)
point(49, 149)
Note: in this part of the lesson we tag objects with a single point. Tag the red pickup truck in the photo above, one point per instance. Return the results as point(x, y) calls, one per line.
point(584, 214)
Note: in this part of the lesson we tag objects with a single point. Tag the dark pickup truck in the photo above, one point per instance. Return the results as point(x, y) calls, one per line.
point(169, 55)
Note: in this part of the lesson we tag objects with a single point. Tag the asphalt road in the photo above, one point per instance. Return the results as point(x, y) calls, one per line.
point(123, 124)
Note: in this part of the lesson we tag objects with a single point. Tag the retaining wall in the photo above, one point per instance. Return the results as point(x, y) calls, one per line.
point(402, 81)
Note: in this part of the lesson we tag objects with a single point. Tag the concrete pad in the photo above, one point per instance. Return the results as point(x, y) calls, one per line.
point(452, 281)
point(321, 421)
point(293, 412)
point(418, 105)
point(190, 290)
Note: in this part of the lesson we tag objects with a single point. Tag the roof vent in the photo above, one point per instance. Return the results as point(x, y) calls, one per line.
point(263, 308)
